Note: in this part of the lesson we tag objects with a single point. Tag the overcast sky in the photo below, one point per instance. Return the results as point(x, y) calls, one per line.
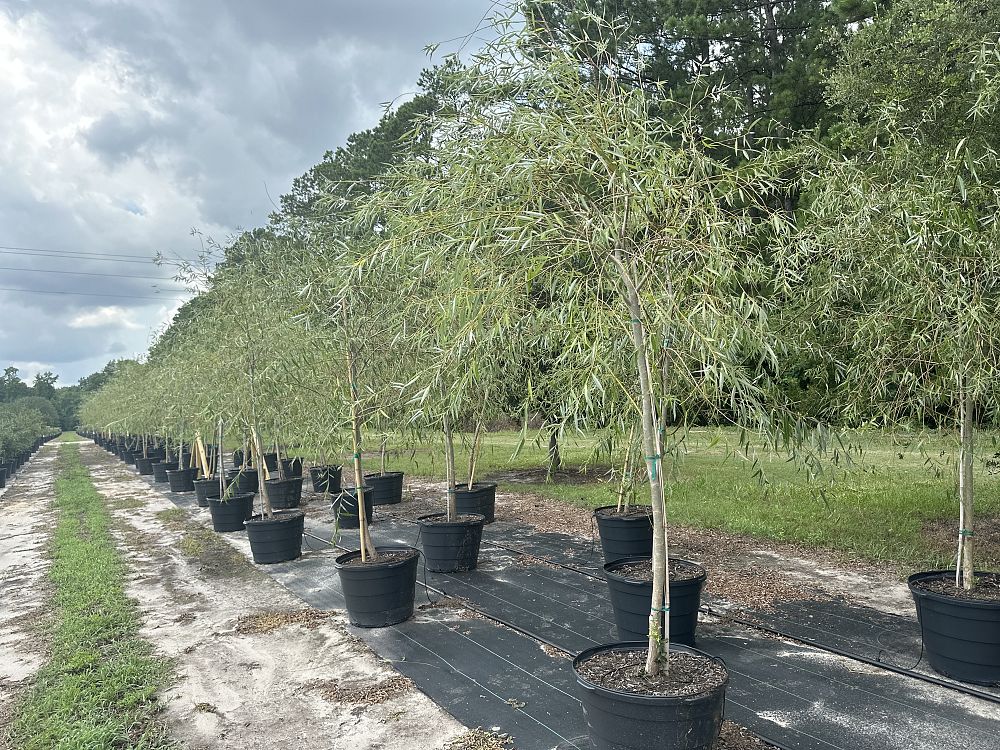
point(125, 124)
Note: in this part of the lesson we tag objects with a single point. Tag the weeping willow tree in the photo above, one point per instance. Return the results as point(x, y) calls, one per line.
point(904, 270)
point(619, 234)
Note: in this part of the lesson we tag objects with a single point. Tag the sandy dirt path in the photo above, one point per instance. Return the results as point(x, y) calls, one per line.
point(254, 667)
point(26, 520)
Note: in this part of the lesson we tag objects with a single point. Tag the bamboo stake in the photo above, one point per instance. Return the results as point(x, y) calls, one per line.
point(474, 455)
point(449, 468)
point(965, 567)
point(265, 499)
point(368, 551)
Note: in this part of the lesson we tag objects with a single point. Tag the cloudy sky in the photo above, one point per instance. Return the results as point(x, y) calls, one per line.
point(126, 124)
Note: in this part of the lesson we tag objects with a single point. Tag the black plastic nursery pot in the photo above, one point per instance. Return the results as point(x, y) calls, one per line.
point(160, 469)
point(205, 489)
point(284, 493)
point(346, 507)
point(292, 467)
point(3, 477)
point(627, 535)
point(387, 489)
point(961, 636)
point(481, 499)
point(182, 480)
point(271, 462)
point(326, 478)
point(144, 465)
point(276, 539)
point(451, 546)
point(231, 514)
point(129, 457)
point(379, 593)
point(620, 720)
point(246, 480)
point(630, 600)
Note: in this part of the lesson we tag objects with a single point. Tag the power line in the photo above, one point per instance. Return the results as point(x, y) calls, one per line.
point(70, 252)
point(88, 294)
point(84, 273)
point(71, 255)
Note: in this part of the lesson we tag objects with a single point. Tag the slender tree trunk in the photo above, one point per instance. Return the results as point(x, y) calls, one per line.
point(966, 567)
point(659, 643)
point(221, 463)
point(474, 455)
point(555, 460)
point(368, 551)
point(449, 467)
point(265, 498)
point(623, 504)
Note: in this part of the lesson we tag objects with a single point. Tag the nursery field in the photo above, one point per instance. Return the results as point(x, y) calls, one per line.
point(894, 503)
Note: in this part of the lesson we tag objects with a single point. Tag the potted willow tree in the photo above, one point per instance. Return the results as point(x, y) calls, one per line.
point(905, 259)
point(552, 175)
point(349, 307)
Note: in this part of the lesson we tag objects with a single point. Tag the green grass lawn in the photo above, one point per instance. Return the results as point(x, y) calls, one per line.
point(68, 437)
point(97, 688)
point(876, 509)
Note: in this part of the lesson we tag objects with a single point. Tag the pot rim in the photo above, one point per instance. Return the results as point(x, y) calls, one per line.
point(340, 560)
point(624, 518)
point(287, 516)
point(431, 520)
point(387, 474)
point(235, 496)
point(639, 698)
point(610, 573)
point(956, 601)
point(464, 486)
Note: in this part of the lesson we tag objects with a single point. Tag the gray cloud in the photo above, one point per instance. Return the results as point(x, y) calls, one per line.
point(127, 124)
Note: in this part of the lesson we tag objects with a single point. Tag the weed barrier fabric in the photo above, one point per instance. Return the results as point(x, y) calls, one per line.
point(496, 677)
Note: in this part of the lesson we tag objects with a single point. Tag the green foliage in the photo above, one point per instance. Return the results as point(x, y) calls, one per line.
point(98, 688)
point(772, 55)
point(45, 407)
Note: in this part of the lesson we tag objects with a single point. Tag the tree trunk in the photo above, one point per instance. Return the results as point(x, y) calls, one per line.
point(258, 449)
point(555, 460)
point(658, 653)
point(966, 567)
point(449, 468)
point(364, 536)
point(474, 455)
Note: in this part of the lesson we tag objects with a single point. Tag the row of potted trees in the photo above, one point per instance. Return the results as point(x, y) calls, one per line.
point(557, 239)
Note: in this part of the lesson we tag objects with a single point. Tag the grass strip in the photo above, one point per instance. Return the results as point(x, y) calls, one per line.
point(97, 689)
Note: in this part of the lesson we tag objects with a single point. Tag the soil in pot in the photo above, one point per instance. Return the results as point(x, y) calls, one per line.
point(630, 582)
point(276, 539)
point(345, 505)
point(628, 534)
point(379, 593)
point(284, 493)
point(960, 629)
point(326, 478)
point(232, 513)
point(481, 499)
point(682, 708)
point(387, 489)
point(451, 546)
point(206, 488)
point(181, 480)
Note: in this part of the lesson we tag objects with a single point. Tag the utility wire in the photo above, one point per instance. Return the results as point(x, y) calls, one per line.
point(85, 273)
point(88, 294)
point(70, 252)
point(71, 255)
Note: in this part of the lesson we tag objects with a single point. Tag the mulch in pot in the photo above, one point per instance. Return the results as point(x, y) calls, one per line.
point(625, 671)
